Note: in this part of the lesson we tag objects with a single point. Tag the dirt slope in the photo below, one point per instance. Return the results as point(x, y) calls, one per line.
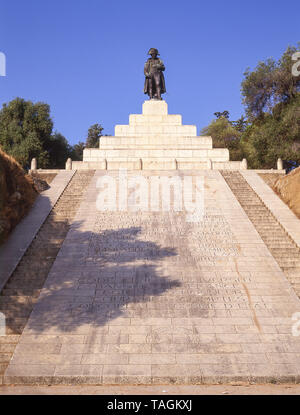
point(17, 194)
point(288, 188)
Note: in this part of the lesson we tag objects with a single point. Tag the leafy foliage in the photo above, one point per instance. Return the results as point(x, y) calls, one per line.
point(225, 135)
point(271, 95)
point(77, 151)
point(26, 132)
point(59, 150)
point(274, 135)
point(270, 83)
point(224, 114)
point(94, 134)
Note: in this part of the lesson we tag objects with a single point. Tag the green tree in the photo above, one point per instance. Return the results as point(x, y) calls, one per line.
point(225, 135)
point(271, 82)
point(26, 132)
point(273, 135)
point(272, 100)
point(94, 134)
point(240, 124)
point(224, 114)
point(77, 151)
point(59, 151)
point(271, 95)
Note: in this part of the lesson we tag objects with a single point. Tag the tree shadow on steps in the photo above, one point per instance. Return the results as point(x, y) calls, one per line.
point(98, 277)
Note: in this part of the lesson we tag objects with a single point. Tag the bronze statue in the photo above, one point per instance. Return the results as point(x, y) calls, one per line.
point(155, 80)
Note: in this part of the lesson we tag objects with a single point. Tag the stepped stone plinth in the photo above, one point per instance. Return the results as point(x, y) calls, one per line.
point(156, 140)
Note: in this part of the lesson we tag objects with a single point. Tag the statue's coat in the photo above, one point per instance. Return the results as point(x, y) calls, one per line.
point(147, 71)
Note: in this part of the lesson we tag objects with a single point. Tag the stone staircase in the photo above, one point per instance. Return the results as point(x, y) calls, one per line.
point(279, 243)
point(23, 287)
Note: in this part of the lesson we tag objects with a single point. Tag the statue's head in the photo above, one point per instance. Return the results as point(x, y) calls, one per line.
point(153, 52)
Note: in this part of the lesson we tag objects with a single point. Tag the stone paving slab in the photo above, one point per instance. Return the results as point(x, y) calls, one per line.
point(279, 209)
point(150, 298)
point(14, 248)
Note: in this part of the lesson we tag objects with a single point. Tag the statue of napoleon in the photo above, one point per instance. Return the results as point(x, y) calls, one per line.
point(155, 80)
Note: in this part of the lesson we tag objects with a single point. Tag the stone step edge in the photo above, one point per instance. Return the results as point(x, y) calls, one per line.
point(148, 380)
point(157, 147)
point(257, 171)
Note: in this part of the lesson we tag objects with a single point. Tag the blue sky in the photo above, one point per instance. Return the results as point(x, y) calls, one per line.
point(86, 58)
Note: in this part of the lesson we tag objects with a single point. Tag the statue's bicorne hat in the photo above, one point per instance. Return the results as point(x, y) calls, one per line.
point(153, 50)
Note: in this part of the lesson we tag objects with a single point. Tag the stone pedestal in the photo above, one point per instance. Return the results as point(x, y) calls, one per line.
point(156, 140)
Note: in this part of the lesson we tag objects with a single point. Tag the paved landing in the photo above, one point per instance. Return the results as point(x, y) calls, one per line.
point(151, 298)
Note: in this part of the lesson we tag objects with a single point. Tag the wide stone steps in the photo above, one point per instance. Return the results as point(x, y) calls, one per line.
point(215, 154)
point(288, 252)
point(156, 140)
point(150, 119)
point(22, 290)
point(278, 245)
point(153, 298)
point(287, 262)
point(281, 246)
